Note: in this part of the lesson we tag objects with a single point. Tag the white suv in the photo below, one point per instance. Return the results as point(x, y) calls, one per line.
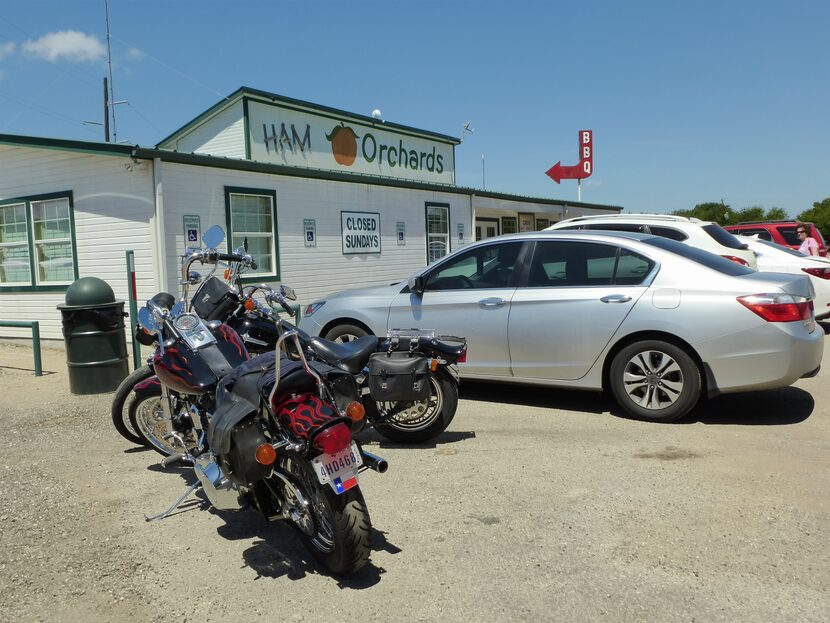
point(704, 235)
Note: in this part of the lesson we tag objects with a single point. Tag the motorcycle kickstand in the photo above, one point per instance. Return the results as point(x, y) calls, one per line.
point(175, 504)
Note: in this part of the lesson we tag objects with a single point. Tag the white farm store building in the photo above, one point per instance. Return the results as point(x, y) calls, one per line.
point(327, 199)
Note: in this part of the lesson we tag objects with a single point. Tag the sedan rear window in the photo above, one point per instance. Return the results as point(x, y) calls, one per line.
point(710, 260)
point(723, 237)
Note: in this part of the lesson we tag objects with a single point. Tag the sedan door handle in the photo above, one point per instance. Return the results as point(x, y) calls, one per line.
point(616, 298)
point(492, 302)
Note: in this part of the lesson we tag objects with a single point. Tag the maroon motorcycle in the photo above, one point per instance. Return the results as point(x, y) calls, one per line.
point(268, 433)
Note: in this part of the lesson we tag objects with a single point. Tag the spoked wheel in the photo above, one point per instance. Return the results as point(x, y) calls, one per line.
point(334, 528)
point(418, 421)
point(120, 412)
point(148, 417)
point(655, 380)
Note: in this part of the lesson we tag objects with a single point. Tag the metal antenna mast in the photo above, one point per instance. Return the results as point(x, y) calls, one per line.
point(109, 63)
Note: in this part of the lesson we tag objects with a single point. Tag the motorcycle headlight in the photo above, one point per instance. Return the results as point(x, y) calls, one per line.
point(313, 307)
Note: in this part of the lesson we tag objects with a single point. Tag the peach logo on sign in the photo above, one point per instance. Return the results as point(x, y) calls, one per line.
point(343, 144)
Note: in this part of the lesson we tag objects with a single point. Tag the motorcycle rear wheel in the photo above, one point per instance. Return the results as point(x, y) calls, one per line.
point(421, 420)
point(120, 415)
point(334, 528)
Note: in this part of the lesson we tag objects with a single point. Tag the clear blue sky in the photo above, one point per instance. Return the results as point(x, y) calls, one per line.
point(689, 101)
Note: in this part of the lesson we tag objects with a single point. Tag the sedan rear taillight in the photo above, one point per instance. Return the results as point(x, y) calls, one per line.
point(779, 307)
point(736, 259)
point(821, 273)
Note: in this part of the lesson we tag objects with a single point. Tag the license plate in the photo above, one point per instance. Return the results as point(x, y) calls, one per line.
point(340, 469)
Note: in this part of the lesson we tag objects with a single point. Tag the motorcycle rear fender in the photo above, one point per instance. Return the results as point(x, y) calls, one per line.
point(306, 415)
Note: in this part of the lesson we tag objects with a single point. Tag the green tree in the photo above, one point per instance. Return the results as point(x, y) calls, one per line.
point(716, 211)
point(755, 213)
point(819, 215)
point(776, 214)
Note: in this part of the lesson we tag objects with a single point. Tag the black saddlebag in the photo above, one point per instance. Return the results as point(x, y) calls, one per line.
point(398, 376)
point(214, 300)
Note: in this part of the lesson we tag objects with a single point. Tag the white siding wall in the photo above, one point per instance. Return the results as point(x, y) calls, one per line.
point(313, 271)
point(112, 206)
point(222, 135)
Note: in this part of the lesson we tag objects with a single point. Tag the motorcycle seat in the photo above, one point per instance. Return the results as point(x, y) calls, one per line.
point(351, 356)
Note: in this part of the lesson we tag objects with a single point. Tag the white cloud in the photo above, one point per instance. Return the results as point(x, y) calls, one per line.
point(6, 50)
point(134, 54)
point(69, 45)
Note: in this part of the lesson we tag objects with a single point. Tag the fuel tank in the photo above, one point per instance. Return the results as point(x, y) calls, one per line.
point(197, 371)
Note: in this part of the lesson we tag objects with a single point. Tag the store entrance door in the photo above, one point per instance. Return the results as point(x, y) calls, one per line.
point(486, 228)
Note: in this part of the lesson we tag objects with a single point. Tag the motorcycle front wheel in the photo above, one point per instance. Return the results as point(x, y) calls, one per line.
point(148, 418)
point(417, 421)
point(120, 413)
point(334, 528)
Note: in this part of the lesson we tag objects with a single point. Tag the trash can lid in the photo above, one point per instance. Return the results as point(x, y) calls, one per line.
point(89, 292)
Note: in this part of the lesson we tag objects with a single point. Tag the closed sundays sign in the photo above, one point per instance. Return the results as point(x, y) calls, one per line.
point(361, 232)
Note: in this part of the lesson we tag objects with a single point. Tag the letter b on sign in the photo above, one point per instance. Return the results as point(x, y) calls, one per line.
point(586, 137)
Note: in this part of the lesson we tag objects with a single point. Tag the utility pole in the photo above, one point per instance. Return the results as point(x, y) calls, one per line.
point(106, 112)
point(109, 63)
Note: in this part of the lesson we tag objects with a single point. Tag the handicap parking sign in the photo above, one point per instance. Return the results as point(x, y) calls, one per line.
point(192, 235)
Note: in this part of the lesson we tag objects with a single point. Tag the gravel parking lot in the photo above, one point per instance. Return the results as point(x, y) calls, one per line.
point(536, 505)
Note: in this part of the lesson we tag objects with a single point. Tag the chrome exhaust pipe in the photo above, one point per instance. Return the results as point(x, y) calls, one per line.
point(374, 462)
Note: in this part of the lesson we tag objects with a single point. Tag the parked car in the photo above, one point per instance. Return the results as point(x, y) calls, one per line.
point(701, 234)
point(779, 232)
point(775, 258)
point(657, 322)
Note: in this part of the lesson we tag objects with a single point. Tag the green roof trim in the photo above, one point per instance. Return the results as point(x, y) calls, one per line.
point(166, 155)
point(247, 93)
point(88, 147)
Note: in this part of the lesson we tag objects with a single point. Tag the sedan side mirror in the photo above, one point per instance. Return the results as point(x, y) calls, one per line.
point(416, 284)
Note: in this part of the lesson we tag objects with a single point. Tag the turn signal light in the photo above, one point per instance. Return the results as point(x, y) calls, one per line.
point(355, 411)
point(433, 365)
point(265, 454)
point(228, 273)
point(249, 304)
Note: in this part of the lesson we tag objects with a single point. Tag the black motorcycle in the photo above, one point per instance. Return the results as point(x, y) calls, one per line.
point(407, 380)
point(269, 433)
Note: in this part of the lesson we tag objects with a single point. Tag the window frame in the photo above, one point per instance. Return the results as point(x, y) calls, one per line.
point(33, 285)
point(427, 206)
point(517, 277)
point(263, 192)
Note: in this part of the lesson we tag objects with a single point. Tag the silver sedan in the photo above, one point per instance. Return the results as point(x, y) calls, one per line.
point(658, 323)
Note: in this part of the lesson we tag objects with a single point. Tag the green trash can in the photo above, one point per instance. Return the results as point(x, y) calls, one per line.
point(93, 331)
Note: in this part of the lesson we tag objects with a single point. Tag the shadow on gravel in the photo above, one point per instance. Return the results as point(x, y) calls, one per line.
point(774, 407)
point(32, 370)
point(277, 550)
point(533, 396)
point(376, 439)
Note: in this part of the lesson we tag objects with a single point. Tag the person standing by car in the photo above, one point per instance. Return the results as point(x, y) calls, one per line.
point(809, 246)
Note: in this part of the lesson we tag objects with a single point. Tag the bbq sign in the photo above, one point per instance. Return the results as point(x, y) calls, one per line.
point(586, 161)
point(361, 232)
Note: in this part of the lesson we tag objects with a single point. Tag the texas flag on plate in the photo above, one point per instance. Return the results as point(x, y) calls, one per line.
point(341, 485)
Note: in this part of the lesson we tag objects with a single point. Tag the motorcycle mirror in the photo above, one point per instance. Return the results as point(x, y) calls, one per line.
point(213, 237)
point(147, 321)
point(178, 310)
point(288, 293)
point(193, 277)
point(416, 284)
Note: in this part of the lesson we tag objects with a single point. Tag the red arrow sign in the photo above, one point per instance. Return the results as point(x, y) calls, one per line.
point(586, 161)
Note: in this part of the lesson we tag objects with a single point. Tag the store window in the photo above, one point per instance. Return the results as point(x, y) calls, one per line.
point(251, 215)
point(37, 243)
point(542, 223)
point(438, 231)
point(509, 225)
